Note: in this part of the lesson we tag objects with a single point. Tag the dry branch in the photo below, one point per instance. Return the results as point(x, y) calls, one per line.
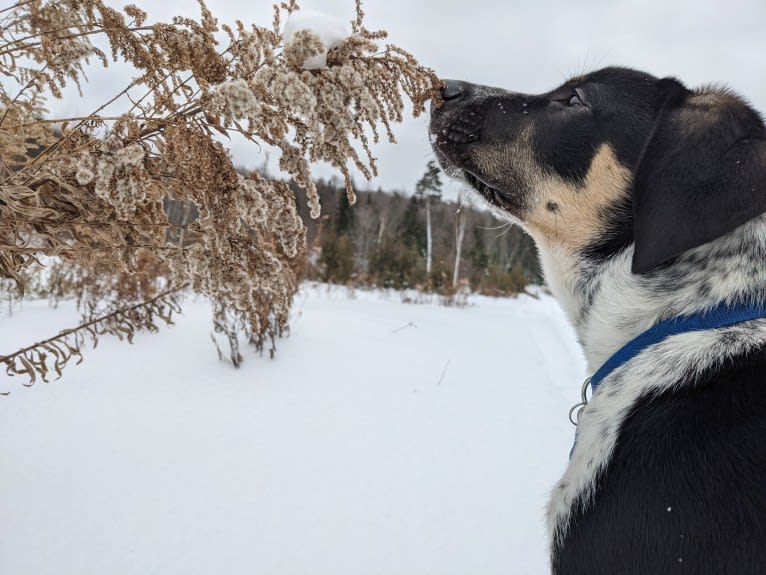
point(36, 359)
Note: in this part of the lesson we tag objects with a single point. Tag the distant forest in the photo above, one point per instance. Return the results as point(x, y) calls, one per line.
point(383, 241)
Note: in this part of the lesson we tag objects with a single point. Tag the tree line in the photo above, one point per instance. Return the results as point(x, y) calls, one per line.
point(415, 239)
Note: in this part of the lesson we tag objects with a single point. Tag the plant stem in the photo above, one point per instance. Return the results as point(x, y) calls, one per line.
point(9, 358)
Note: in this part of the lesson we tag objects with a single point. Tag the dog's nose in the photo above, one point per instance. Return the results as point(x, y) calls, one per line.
point(453, 89)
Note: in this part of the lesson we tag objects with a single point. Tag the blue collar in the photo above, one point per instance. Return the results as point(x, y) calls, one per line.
point(723, 315)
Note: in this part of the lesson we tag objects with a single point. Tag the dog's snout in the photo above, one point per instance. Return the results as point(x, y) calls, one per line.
point(454, 89)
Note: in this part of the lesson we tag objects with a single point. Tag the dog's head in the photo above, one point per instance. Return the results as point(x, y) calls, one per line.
point(609, 159)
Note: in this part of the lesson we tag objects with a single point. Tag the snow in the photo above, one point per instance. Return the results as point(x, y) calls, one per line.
point(331, 32)
point(384, 438)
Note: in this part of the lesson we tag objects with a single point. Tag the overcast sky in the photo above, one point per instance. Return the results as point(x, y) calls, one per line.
point(530, 47)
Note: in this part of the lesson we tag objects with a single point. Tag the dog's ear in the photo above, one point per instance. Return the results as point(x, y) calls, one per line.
point(701, 174)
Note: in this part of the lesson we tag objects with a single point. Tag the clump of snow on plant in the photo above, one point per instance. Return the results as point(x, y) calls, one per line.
point(329, 29)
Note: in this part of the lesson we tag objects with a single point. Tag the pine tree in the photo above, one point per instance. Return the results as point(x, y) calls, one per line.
point(429, 187)
point(479, 255)
point(337, 258)
point(345, 219)
point(412, 229)
point(338, 245)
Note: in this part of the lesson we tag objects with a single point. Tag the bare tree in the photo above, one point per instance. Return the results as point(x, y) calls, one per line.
point(460, 221)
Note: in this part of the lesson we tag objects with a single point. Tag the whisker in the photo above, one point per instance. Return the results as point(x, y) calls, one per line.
point(506, 224)
point(505, 231)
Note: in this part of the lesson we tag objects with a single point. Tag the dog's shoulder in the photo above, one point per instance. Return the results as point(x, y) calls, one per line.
point(686, 476)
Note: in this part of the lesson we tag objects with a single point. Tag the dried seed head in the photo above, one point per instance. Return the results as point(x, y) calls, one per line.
point(158, 202)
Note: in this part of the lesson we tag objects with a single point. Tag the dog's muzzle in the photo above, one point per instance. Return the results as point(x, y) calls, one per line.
point(456, 124)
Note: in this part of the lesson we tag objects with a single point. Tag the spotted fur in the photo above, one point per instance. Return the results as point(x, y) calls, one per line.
point(645, 201)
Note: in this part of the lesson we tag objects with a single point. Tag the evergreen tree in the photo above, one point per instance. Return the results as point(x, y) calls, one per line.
point(412, 229)
point(429, 187)
point(429, 184)
point(395, 264)
point(345, 220)
point(337, 258)
point(479, 256)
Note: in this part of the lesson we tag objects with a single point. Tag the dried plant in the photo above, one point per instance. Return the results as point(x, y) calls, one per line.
point(55, 352)
point(89, 195)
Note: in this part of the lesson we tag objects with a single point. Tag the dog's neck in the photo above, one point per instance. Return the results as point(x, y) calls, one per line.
point(608, 305)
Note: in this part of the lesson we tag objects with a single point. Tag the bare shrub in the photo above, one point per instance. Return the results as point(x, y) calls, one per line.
point(91, 193)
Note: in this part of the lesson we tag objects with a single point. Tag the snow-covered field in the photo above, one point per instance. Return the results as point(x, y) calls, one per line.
point(385, 438)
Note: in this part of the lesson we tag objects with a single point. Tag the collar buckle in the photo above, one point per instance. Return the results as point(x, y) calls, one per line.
point(577, 408)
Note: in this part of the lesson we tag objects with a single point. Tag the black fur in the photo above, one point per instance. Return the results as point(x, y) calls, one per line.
point(699, 170)
point(617, 109)
point(685, 490)
point(617, 106)
point(702, 174)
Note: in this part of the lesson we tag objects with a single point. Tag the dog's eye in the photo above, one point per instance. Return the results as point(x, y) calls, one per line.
point(571, 98)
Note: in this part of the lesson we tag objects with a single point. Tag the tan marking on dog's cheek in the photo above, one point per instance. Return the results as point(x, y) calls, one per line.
point(511, 168)
point(572, 216)
point(493, 160)
point(508, 157)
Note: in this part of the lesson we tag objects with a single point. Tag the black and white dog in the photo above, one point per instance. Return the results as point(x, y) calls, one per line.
point(645, 199)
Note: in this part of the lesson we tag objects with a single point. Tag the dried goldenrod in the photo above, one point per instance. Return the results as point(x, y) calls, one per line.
point(129, 209)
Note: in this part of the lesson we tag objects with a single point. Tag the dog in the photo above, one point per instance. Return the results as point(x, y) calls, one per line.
point(645, 199)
